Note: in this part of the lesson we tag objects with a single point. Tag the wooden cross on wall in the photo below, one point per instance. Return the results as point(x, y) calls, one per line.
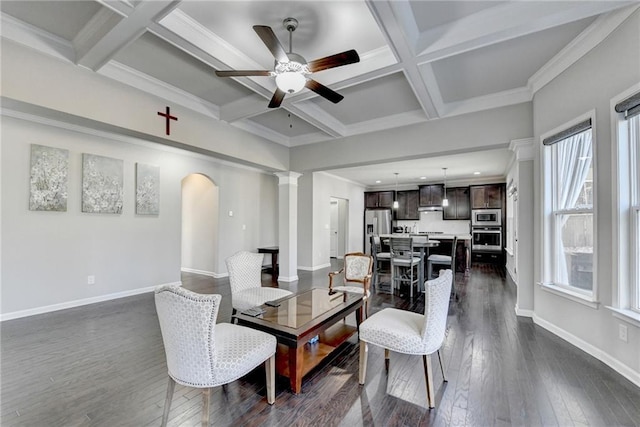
point(168, 118)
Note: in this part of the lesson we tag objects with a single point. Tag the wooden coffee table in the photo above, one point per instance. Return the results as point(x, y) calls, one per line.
point(298, 319)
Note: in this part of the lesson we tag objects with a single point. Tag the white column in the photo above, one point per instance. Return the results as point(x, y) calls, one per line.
point(524, 248)
point(288, 225)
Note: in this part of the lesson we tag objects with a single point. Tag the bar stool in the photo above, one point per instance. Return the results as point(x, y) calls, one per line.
point(449, 262)
point(404, 266)
point(380, 259)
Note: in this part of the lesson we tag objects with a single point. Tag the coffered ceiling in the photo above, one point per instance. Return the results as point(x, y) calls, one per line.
point(419, 60)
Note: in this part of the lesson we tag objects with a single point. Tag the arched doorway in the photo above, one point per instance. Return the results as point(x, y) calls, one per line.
point(199, 225)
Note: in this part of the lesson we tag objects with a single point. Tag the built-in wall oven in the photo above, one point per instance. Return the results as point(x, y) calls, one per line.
point(487, 239)
point(486, 217)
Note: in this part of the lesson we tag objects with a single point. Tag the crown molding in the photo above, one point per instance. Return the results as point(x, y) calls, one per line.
point(131, 77)
point(387, 122)
point(262, 131)
point(35, 38)
point(580, 46)
point(487, 102)
point(523, 148)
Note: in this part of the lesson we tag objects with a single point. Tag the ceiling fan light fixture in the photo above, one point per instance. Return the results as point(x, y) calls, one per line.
point(290, 82)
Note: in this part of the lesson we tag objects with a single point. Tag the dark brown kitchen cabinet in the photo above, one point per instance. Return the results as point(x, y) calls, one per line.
point(407, 205)
point(486, 196)
point(378, 199)
point(431, 195)
point(459, 207)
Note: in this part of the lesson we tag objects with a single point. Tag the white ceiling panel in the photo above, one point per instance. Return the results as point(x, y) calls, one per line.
point(502, 66)
point(61, 18)
point(460, 167)
point(285, 123)
point(431, 14)
point(163, 61)
point(325, 27)
point(374, 99)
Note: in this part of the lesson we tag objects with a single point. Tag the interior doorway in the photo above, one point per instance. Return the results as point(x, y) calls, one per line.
point(338, 220)
point(199, 242)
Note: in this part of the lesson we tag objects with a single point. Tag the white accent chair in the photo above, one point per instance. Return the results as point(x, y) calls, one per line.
point(203, 354)
point(245, 271)
point(448, 261)
point(406, 332)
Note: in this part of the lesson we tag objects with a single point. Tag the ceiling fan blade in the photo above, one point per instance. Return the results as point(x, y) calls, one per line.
point(337, 60)
point(324, 91)
point(240, 73)
point(277, 98)
point(269, 38)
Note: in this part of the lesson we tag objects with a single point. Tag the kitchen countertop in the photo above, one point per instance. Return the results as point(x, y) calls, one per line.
point(444, 236)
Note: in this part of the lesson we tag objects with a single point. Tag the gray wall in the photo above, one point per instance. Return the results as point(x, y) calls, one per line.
point(315, 192)
point(591, 83)
point(469, 132)
point(47, 256)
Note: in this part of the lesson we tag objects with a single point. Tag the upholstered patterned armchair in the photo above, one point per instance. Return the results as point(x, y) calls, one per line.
point(203, 354)
point(407, 332)
point(245, 269)
point(357, 271)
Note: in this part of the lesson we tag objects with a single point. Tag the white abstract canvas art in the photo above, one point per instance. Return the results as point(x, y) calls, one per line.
point(147, 189)
point(48, 180)
point(102, 184)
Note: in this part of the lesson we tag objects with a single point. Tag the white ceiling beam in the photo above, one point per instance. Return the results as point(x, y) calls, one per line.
point(504, 22)
point(118, 33)
point(121, 7)
point(392, 29)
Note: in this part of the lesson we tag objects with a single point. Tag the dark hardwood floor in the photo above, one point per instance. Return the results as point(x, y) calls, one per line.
point(104, 365)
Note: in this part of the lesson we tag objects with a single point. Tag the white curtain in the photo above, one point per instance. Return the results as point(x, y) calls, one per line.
point(573, 161)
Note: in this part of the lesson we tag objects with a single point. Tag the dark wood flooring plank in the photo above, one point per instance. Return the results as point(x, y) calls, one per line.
point(104, 365)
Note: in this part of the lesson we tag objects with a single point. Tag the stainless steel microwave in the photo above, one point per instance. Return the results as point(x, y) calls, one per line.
point(486, 217)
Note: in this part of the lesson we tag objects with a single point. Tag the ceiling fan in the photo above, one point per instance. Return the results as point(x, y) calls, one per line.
point(292, 70)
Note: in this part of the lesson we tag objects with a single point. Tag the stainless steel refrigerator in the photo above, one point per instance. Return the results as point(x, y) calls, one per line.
point(376, 221)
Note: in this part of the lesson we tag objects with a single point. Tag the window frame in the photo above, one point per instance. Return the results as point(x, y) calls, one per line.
point(626, 218)
point(550, 241)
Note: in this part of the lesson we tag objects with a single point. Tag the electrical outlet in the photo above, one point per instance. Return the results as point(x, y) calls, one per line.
point(244, 226)
point(91, 280)
point(622, 332)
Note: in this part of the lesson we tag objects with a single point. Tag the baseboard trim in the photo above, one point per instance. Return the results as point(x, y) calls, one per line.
point(204, 272)
point(288, 278)
point(317, 267)
point(524, 313)
point(605, 358)
point(76, 303)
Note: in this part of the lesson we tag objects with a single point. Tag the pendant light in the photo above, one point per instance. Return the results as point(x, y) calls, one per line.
point(445, 201)
point(396, 205)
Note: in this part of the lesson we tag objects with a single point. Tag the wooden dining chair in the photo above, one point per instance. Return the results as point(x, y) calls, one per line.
point(356, 273)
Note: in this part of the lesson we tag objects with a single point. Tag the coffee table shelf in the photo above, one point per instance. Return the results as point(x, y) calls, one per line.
point(314, 354)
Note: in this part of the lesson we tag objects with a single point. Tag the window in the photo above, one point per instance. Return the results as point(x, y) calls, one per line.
point(568, 207)
point(628, 218)
point(634, 148)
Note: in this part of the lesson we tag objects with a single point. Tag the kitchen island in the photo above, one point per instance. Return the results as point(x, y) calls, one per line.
point(463, 247)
